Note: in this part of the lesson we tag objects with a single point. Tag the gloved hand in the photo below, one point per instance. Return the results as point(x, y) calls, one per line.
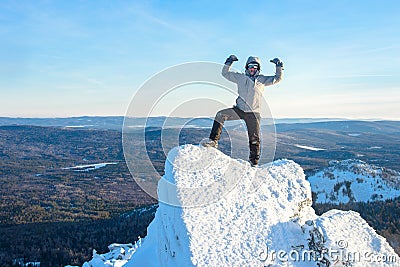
point(277, 62)
point(231, 59)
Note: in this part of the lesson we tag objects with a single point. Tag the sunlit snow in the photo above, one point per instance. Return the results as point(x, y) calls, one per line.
point(270, 223)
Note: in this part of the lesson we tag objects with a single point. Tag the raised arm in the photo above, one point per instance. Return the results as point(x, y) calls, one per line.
point(269, 80)
point(227, 73)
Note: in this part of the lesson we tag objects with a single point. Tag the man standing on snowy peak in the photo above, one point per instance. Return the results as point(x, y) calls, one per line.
point(250, 88)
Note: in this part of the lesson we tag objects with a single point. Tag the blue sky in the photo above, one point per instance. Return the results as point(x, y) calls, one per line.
point(72, 58)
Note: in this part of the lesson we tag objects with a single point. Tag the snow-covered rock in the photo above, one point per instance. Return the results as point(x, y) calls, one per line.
point(245, 216)
point(119, 255)
point(356, 181)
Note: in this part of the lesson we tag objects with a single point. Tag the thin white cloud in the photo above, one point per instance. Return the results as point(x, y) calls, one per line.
point(359, 75)
point(95, 81)
point(147, 17)
point(378, 49)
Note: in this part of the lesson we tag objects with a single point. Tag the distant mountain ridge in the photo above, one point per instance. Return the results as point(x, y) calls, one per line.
point(116, 122)
point(89, 122)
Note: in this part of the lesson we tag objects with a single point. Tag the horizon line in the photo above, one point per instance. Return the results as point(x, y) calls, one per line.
point(202, 117)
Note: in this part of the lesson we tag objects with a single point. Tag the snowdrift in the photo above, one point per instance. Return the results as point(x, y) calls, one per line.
point(218, 211)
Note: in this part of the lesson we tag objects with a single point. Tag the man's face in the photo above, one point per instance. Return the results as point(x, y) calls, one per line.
point(252, 68)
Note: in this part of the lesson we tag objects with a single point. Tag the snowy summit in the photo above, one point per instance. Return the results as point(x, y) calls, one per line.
point(218, 211)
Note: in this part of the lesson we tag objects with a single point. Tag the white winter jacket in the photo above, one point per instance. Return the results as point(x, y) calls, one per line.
point(250, 89)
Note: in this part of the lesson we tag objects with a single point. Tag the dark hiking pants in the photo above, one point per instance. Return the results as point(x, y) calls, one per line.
point(252, 121)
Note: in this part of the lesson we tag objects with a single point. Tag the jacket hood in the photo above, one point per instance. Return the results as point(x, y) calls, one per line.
point(253, 59)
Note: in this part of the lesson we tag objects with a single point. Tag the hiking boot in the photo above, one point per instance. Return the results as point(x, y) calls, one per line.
point(253, 162)
point(209, 143)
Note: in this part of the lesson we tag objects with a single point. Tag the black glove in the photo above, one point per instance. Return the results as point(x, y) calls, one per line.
point(231, 59)
point(277, 62)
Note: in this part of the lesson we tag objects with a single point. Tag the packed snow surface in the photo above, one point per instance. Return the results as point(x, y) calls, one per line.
point(232, 214)
point(90, 167)
point(309, 148)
